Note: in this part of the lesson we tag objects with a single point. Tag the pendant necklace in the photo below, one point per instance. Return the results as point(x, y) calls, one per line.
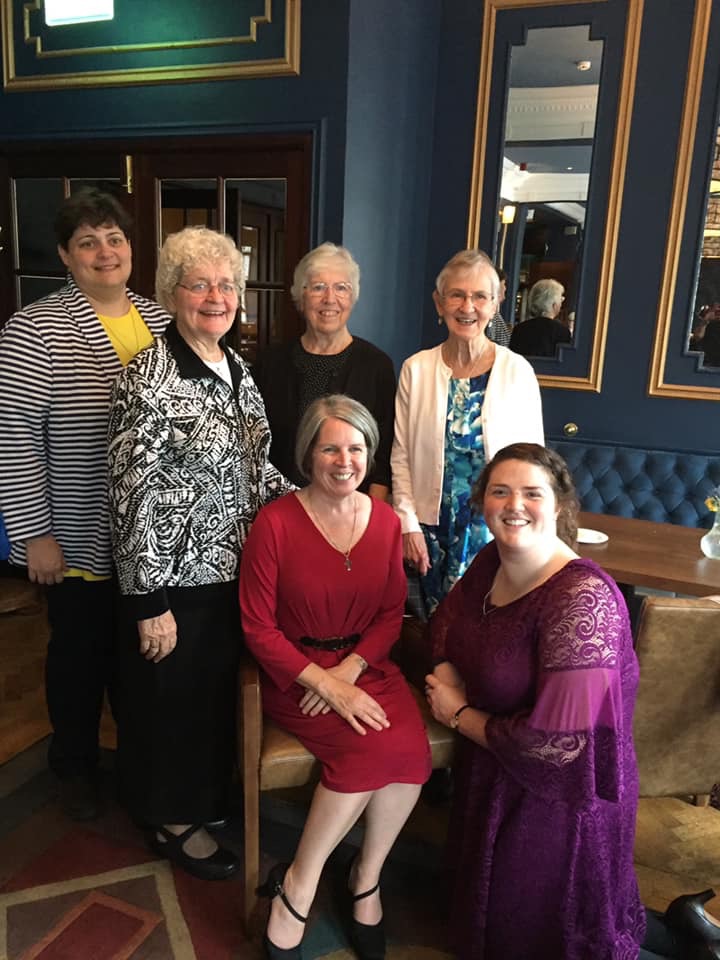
point(345, 553)
point(485, 611)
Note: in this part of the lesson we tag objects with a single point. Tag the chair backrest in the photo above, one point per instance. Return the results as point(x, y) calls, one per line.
point(677, 716)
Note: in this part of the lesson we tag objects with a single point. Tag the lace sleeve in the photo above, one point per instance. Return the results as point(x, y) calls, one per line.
point(567, 745)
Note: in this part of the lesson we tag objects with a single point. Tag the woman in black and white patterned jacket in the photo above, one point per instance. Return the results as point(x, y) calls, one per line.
point(188, 446)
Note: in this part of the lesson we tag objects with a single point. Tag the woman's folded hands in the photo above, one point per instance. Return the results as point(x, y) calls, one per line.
point(335, 689)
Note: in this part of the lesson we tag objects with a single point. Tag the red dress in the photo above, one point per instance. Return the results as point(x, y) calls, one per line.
point(293, 583)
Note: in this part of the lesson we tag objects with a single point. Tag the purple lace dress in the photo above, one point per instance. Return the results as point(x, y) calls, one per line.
point(541, 838)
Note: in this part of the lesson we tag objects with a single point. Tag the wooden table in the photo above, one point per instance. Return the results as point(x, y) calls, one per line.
point(664, 556)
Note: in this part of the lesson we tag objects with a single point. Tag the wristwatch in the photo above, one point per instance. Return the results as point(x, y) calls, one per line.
point(455, 719)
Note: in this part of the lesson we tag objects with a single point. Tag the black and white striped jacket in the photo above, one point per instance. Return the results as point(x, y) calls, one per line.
point(57, 368)
point(189, 471)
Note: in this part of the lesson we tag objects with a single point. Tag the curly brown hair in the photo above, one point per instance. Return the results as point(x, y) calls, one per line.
point(557, 473)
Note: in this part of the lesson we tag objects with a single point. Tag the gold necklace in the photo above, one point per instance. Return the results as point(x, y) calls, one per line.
point(485, 611)
point(345, 553)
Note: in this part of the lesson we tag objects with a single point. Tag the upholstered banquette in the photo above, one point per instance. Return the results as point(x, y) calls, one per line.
point(653, 485)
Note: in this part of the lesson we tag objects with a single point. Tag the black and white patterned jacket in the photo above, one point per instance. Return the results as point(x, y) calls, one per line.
point(57, 368)
point(188, 471)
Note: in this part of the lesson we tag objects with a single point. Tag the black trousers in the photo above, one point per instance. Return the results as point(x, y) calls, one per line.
point(78, 670)
point(176, 718)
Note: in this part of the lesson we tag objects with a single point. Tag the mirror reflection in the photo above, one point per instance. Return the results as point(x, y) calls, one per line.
point(547, 160)
point(704, 331)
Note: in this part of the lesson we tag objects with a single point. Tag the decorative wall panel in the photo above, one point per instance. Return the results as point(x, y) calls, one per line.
point(163, 41)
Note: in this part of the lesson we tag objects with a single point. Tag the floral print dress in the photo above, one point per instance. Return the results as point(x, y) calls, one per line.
point(458, 536)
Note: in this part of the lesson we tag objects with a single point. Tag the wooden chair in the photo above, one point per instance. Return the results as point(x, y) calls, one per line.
point(677, 741)
point(271, 759)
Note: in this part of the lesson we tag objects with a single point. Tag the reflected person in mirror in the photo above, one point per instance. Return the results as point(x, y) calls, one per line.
point(497, 329)
point(456, 405)
point(542, 333)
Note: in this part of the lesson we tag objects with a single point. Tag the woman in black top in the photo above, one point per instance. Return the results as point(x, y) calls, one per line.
point(326, 359)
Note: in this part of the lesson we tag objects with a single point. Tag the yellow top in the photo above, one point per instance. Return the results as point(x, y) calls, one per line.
point(129, 335)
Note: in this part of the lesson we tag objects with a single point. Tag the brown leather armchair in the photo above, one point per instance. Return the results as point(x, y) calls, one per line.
point(677, 742)
point(271, 759)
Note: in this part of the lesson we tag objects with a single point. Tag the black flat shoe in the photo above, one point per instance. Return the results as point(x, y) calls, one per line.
point(367, 939)
point(273, 887)
point(79, 797)
point(686, 914)
point(218, 866)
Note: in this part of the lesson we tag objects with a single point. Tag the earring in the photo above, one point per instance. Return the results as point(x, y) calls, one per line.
point(440, 320)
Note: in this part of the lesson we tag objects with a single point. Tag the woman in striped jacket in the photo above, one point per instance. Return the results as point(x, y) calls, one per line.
point(59, 357)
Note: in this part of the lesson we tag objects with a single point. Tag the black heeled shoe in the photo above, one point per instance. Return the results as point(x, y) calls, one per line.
point(367, 939)
point(705, 951)
point(686, 914)
point(273, 887)
point(218, 866)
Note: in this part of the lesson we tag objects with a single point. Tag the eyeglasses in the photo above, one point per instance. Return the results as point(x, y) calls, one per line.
point(202, 288)
point(341, 290)
point(457, 298)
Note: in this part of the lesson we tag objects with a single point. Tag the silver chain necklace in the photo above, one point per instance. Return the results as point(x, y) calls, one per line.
point(485, 611)
point(345, 553)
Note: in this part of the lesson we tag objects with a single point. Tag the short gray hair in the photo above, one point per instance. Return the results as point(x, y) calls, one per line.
point(342, 408)
point(327, 255)
point(543, 295)
point(468, 261)
point(184, 250)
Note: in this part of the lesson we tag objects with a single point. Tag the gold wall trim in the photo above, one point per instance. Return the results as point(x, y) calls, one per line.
point(593, 381)
point(287, 65)
point(35, 6)
point(657, 387)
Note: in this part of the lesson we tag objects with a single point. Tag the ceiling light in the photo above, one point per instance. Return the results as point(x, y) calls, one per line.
point(59, 12)
point(507, 214)
point(583, 65)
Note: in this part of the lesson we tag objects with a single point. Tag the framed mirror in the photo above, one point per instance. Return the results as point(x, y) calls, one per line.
point(555, 92)
point(685, 362)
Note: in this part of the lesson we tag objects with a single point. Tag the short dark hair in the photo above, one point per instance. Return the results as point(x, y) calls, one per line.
point(558, 475)
point(342, 408)
point(92, 206)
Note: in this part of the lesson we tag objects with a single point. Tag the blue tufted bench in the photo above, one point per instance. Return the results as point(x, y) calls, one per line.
point(648, 484)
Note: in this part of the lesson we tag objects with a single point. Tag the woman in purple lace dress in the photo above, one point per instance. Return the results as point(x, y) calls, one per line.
point(536, 671)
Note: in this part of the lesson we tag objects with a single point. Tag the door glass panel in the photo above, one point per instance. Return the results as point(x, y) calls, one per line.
point(255, 218)
point(33, 288)
point(36, 202)
point(112, 186)
point(187, 203)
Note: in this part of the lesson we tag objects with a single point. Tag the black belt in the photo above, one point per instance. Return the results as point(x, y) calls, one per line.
point(331, 643)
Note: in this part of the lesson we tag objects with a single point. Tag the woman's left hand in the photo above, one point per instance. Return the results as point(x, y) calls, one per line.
point(445, 699)
point(158, 636)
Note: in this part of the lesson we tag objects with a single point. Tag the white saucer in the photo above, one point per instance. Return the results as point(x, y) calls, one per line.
point(585, 535)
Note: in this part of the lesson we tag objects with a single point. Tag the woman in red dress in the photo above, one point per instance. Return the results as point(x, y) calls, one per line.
point(322, 591)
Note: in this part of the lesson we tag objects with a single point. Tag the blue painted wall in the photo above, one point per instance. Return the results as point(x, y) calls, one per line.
point(391, 100)
point(315, 100)
point(622, 412)
point(389, 88)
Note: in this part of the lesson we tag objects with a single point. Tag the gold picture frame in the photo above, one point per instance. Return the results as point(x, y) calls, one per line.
point(286, 65)
point(593, 380)
point(657, 385)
